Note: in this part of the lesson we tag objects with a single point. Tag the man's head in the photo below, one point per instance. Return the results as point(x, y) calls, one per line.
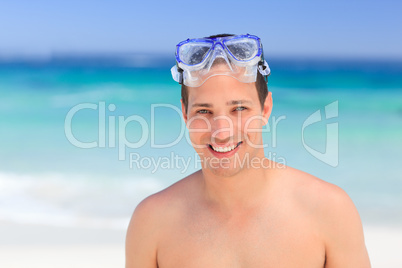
point(225, 99)
point(225, 119)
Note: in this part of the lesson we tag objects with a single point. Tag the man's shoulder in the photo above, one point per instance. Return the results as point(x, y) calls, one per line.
point(305, 186)
point(327, 204)
point(153, 218)
point(323, 200)
point(164, 203)
point(330, 212)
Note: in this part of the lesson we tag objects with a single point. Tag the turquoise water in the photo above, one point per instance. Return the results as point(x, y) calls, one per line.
point(45, 178)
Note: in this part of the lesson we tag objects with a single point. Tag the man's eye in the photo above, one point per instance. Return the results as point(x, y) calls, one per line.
point(240, 108)
point(202, 111)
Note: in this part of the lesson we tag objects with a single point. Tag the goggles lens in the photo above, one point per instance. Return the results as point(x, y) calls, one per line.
point(194, 53)
point(243, 49)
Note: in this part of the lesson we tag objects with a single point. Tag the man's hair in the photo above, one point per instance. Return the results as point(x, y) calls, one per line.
point(261, 84)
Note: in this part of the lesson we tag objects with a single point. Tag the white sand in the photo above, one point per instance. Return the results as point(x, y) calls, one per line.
point(67, 256)
point(27, 246)
point(384, 245)
point(30, 246)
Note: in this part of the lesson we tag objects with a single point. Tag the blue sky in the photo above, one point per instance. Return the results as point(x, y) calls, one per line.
point(288, 28)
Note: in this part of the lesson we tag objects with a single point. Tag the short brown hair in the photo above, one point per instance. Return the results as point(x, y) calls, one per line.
point(261, 85)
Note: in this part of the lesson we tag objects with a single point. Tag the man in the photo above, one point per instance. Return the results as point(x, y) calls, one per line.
point(241, 209)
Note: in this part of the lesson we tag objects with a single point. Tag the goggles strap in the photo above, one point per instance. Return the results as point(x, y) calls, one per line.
point(180, 71)
point(263, 65)
point(177, 74)
point(264, 69)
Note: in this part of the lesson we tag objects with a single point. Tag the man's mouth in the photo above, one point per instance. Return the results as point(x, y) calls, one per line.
point(224, 149)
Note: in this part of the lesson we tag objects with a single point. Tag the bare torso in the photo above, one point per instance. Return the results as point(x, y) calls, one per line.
point(278, 232)
point(300, 221)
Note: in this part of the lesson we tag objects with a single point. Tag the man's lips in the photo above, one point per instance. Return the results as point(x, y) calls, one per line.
point(224, 149)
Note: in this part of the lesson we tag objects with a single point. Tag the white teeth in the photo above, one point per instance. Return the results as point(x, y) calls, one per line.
point(224, 149)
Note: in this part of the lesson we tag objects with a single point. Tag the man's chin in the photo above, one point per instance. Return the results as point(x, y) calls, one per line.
point(222, 168)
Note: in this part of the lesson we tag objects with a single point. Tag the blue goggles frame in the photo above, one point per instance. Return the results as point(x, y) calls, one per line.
point(221, 41)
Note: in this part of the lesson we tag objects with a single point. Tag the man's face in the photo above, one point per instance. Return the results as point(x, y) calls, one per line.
point(225, 119)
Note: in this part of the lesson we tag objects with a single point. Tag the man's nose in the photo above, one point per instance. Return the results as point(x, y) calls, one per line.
point(222, 128)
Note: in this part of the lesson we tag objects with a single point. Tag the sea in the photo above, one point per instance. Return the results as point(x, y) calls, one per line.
point(84, 138)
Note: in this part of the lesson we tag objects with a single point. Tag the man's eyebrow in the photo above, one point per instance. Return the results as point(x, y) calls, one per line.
point(237, 102)
point(229, 103)
point(207, 105)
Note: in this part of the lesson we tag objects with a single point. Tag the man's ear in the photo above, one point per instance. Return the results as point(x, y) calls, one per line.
point(183, 111)
point(266, 111)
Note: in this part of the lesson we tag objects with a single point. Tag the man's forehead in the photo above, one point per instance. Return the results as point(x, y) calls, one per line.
point(223, 93)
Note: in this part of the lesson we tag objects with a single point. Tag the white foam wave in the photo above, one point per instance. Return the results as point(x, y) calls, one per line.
point(72, 200)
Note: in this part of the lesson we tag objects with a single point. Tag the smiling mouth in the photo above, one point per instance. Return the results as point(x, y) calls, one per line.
point(224, 149)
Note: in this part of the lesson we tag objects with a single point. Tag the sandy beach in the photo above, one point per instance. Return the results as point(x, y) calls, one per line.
point(384, 245)
point(33, 246)
point(29, 246)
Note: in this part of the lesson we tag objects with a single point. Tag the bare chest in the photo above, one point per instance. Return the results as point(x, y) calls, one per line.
point(258, 241)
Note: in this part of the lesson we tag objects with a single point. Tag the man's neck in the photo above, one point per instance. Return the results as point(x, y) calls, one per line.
point(239, 192)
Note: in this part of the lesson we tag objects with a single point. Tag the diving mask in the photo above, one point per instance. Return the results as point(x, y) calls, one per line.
point(238, 56)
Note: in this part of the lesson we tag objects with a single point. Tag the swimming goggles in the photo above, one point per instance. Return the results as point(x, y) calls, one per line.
point(238, 56)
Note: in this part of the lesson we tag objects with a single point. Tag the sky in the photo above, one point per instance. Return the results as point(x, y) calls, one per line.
point(288, 28)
